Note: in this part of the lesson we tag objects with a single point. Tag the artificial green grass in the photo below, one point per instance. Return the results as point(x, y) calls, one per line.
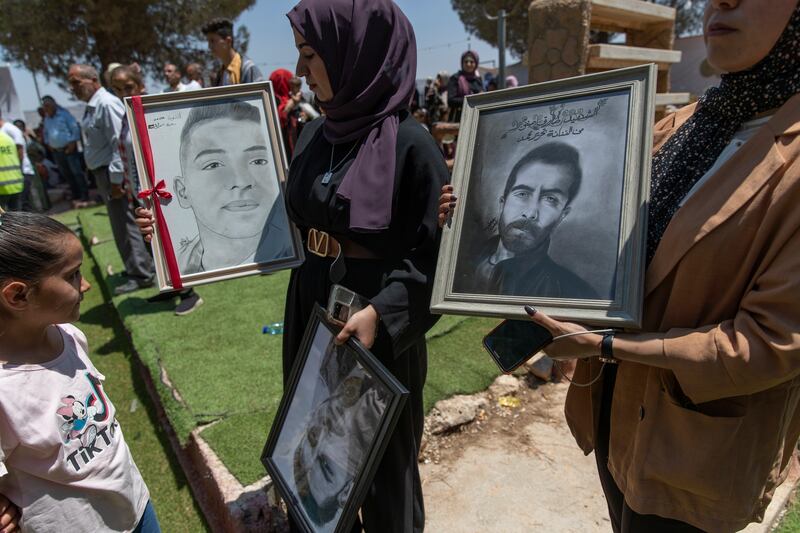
point(69, 218)
point(226, 372)
point(790, 523)
point(94, 226)
point(112, 355)
point(454, 367)
point(239, 440)
point(457, 364)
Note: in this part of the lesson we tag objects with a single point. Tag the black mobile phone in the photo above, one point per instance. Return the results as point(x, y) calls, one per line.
point(513, 342)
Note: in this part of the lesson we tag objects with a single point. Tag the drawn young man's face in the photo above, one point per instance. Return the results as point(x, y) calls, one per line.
point(534, 206)
point(321, 461)
point(226, 177)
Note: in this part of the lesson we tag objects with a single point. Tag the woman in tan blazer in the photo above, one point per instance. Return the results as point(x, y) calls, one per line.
point(696, 425)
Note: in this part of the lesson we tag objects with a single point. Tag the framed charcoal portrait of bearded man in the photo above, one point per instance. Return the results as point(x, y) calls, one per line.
point(552, 183)
point(213, 162)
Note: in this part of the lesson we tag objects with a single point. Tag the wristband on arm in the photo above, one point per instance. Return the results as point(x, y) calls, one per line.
point(607, 349)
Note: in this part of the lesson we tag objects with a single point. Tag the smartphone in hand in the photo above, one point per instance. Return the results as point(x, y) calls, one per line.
point(342, 304)
point(513, 342)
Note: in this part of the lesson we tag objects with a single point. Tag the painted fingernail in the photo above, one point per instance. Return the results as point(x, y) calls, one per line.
point(452, 204)
point(530, 310)
point(453, 197)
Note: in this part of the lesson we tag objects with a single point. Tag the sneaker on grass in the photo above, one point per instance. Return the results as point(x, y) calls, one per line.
point(188, 304)
point(170, 295)
point(163, 296)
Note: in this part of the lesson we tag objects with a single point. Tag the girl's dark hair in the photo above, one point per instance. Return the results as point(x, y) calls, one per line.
point(30, 245)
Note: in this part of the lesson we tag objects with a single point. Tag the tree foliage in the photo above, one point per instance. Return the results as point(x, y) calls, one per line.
point(46, 36)
point(689, 17)
point(473, 14)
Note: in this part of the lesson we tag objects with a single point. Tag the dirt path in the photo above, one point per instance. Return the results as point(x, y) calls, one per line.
point(515, 469)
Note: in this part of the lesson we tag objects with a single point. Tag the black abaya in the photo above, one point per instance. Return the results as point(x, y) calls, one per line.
point(398, 283)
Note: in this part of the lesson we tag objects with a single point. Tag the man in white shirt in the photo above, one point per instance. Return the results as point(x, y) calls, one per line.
point(194, 73)
point(101, 125)
point(172, 74)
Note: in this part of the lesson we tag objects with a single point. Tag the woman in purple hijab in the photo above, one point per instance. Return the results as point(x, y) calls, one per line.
point(463, 83)
point(366, 178)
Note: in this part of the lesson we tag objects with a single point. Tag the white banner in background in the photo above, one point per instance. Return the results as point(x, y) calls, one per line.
point(9, 102)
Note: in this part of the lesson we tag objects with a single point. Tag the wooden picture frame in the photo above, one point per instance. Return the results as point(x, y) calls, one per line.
point(218, 154)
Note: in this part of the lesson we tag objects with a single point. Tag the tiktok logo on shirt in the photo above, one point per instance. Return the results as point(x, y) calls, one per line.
point(87, 423)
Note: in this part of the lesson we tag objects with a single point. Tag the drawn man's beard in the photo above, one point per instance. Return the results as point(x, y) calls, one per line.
point(521, 235)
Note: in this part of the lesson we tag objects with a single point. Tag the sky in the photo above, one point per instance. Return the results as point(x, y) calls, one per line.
point(441, 38)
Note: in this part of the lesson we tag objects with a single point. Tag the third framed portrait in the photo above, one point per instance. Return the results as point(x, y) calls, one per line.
point(337, 413)
point(552, 183)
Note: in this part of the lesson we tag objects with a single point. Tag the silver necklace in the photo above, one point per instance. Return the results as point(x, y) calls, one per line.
point(326, 178)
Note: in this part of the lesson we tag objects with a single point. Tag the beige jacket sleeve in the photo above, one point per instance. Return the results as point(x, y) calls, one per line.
point(760, 347)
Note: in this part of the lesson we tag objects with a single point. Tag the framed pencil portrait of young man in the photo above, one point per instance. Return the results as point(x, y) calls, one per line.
point(552, 183)
point(337, 413)
point(211, 165)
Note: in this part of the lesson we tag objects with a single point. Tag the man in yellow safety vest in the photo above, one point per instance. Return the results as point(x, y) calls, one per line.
point(11, 179)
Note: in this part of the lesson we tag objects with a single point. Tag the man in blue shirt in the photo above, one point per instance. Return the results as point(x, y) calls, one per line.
point(101, 124)
point(61, 134)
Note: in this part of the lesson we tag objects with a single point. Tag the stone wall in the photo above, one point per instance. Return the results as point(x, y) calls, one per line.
point(660, 36)
point(558, 39)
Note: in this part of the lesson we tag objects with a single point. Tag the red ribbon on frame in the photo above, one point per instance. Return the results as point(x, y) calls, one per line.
point(156, 194)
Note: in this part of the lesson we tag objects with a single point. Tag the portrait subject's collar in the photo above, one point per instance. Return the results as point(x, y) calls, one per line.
point(190, 255)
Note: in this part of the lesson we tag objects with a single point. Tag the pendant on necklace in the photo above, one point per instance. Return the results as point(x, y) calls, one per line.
point(326, 178)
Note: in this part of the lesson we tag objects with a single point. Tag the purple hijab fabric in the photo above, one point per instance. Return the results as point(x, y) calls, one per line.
point(370, 53)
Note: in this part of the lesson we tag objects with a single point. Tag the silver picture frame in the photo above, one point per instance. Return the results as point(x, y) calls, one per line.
point(263, 223)
point(576, 251)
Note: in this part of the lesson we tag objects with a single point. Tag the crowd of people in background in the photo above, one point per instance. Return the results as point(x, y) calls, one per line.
point(64, 153)
point(54, 154)
point(91, 161)
point(443, 97)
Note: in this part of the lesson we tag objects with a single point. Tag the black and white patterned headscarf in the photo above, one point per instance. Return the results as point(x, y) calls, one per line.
point(697, 144)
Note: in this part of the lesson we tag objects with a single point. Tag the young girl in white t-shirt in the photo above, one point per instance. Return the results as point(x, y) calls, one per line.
point(64, 463)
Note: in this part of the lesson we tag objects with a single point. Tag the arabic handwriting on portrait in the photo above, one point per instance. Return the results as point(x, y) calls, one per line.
point(560, 121)
point(163, 120)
